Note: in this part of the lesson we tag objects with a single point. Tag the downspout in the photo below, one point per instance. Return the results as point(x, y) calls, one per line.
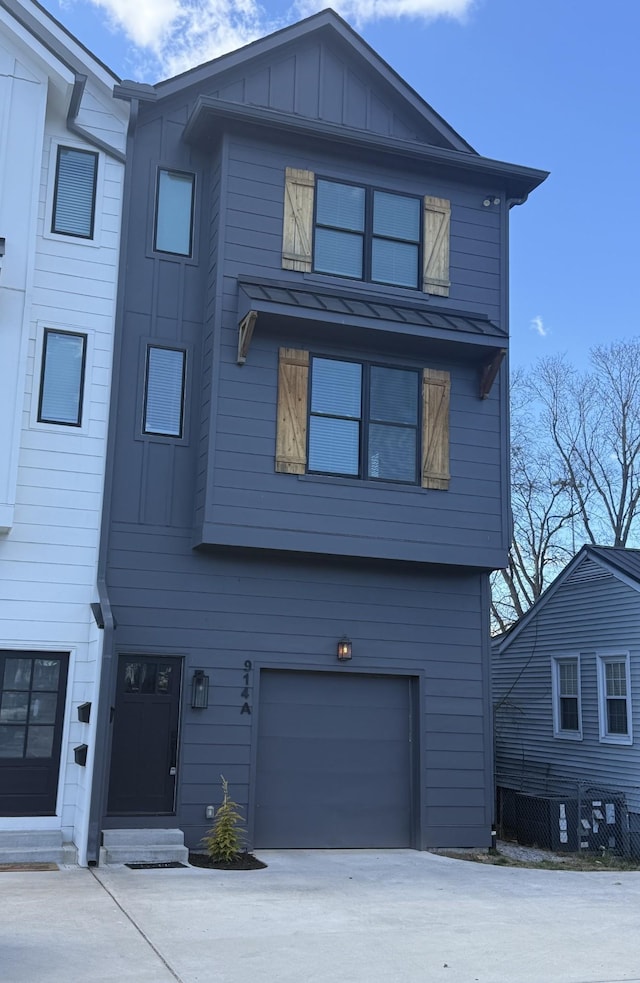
point(74, 127)
point(510, 203)
point(102, 738)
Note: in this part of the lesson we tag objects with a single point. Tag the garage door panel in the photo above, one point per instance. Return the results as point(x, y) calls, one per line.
point(347, 723)
point(333, 775)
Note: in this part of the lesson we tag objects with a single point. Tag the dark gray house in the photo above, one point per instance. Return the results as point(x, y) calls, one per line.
point(308, 468)
point(566, 684)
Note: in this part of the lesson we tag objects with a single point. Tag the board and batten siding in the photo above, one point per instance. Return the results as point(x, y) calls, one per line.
point(218, 609)
point(582, 618)
point(48, 559)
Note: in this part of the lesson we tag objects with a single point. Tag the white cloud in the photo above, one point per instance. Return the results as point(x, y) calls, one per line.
point(178, 34)
point(360, 12)
point(537, 324)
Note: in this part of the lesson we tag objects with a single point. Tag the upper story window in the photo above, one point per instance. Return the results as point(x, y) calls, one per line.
point(360, 420)
point(377, 235)
point(363, 421)
point(164, 391)
point(62, 378)
point(173, 231)
point(74, 195)
point(367, 234)
point(614, 699)
point(567, 708)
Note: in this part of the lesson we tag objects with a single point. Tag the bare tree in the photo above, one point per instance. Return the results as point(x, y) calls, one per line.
point(543, 510)
point(575, 468)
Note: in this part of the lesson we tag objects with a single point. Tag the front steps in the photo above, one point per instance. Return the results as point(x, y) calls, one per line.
point(155, 846)
point(36, 846)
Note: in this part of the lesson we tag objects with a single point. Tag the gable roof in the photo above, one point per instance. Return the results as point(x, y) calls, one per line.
point(326, 23)
point(620, 561)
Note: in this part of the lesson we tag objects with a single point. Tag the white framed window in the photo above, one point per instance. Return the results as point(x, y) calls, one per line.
point(567, 702)
point(74, 193)
point(164, 389)
point(614, 697)
point(62, 374)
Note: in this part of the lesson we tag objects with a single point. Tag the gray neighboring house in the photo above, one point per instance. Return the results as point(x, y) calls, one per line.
point(308, 464)
point(566, 687)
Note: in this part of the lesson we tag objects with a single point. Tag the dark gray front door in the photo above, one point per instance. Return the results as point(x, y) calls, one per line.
point(32, 699)
point(334, 761)
point(145, 736)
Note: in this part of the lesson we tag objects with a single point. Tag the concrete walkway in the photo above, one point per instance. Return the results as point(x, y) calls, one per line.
point(321, 917)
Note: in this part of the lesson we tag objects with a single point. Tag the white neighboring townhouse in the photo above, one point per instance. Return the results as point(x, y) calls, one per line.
point(62, 142)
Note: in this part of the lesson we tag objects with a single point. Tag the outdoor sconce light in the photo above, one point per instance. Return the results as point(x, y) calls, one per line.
point(344, 649)
point(200, 690)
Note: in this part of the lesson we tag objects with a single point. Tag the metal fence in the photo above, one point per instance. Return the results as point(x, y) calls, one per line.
point(568, 815)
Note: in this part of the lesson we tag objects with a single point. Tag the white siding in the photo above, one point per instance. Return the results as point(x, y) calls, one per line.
point(51, 476)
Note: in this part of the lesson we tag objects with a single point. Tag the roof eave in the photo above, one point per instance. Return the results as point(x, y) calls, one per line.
point(517, 180)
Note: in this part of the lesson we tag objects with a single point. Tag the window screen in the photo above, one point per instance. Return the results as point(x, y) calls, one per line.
point(164, 391)
point(75, 192)
point(62, 378)
point(174, 213)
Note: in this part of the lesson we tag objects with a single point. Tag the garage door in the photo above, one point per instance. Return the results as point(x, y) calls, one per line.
point(334, 761)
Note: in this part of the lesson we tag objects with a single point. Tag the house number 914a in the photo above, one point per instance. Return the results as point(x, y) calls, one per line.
point(246, 690)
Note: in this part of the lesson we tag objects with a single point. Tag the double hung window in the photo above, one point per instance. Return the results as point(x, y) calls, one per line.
point(363, 420)
point(614, 689)
point(74, 194)
point(367, 234)
point(62, 378)
point(567, 710)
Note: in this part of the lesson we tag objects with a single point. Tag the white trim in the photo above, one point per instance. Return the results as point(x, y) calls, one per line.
point(34, 422)
point(96, 240)
point(556, 661)
point(604, 657)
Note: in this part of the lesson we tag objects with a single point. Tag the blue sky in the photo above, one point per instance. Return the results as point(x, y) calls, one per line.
point(547, 83)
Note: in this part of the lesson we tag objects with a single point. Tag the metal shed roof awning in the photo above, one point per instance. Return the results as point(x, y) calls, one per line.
point(264, 300)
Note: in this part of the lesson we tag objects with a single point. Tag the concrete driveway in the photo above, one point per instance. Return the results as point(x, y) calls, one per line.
point(339, 916)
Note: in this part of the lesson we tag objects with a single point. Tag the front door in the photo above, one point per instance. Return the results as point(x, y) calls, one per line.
point(145, 736)
point(32, 698)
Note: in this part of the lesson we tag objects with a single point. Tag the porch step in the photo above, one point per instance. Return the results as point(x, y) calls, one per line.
point(36, 846)
point(155, 846)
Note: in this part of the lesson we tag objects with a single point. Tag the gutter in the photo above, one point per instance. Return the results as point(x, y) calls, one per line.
point(74, 127)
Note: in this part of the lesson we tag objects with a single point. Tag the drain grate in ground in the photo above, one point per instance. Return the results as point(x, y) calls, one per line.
point(21, 867)
point(160, 866)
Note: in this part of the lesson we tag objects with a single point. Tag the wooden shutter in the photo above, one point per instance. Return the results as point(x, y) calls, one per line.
point(297, 229)
point(291, 437)
point(436, 391)
point(437, 227)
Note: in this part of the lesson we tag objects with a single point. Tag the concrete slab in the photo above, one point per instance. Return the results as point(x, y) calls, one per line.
point(318, 916)
point(61, 926)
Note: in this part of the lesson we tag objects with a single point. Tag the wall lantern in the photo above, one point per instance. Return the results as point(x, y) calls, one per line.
point(344, 649)
point(200, 690)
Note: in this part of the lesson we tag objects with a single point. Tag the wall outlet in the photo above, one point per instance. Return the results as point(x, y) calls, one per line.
point(210, 812)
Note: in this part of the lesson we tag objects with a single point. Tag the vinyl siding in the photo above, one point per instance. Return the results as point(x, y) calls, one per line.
point(582, 618)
